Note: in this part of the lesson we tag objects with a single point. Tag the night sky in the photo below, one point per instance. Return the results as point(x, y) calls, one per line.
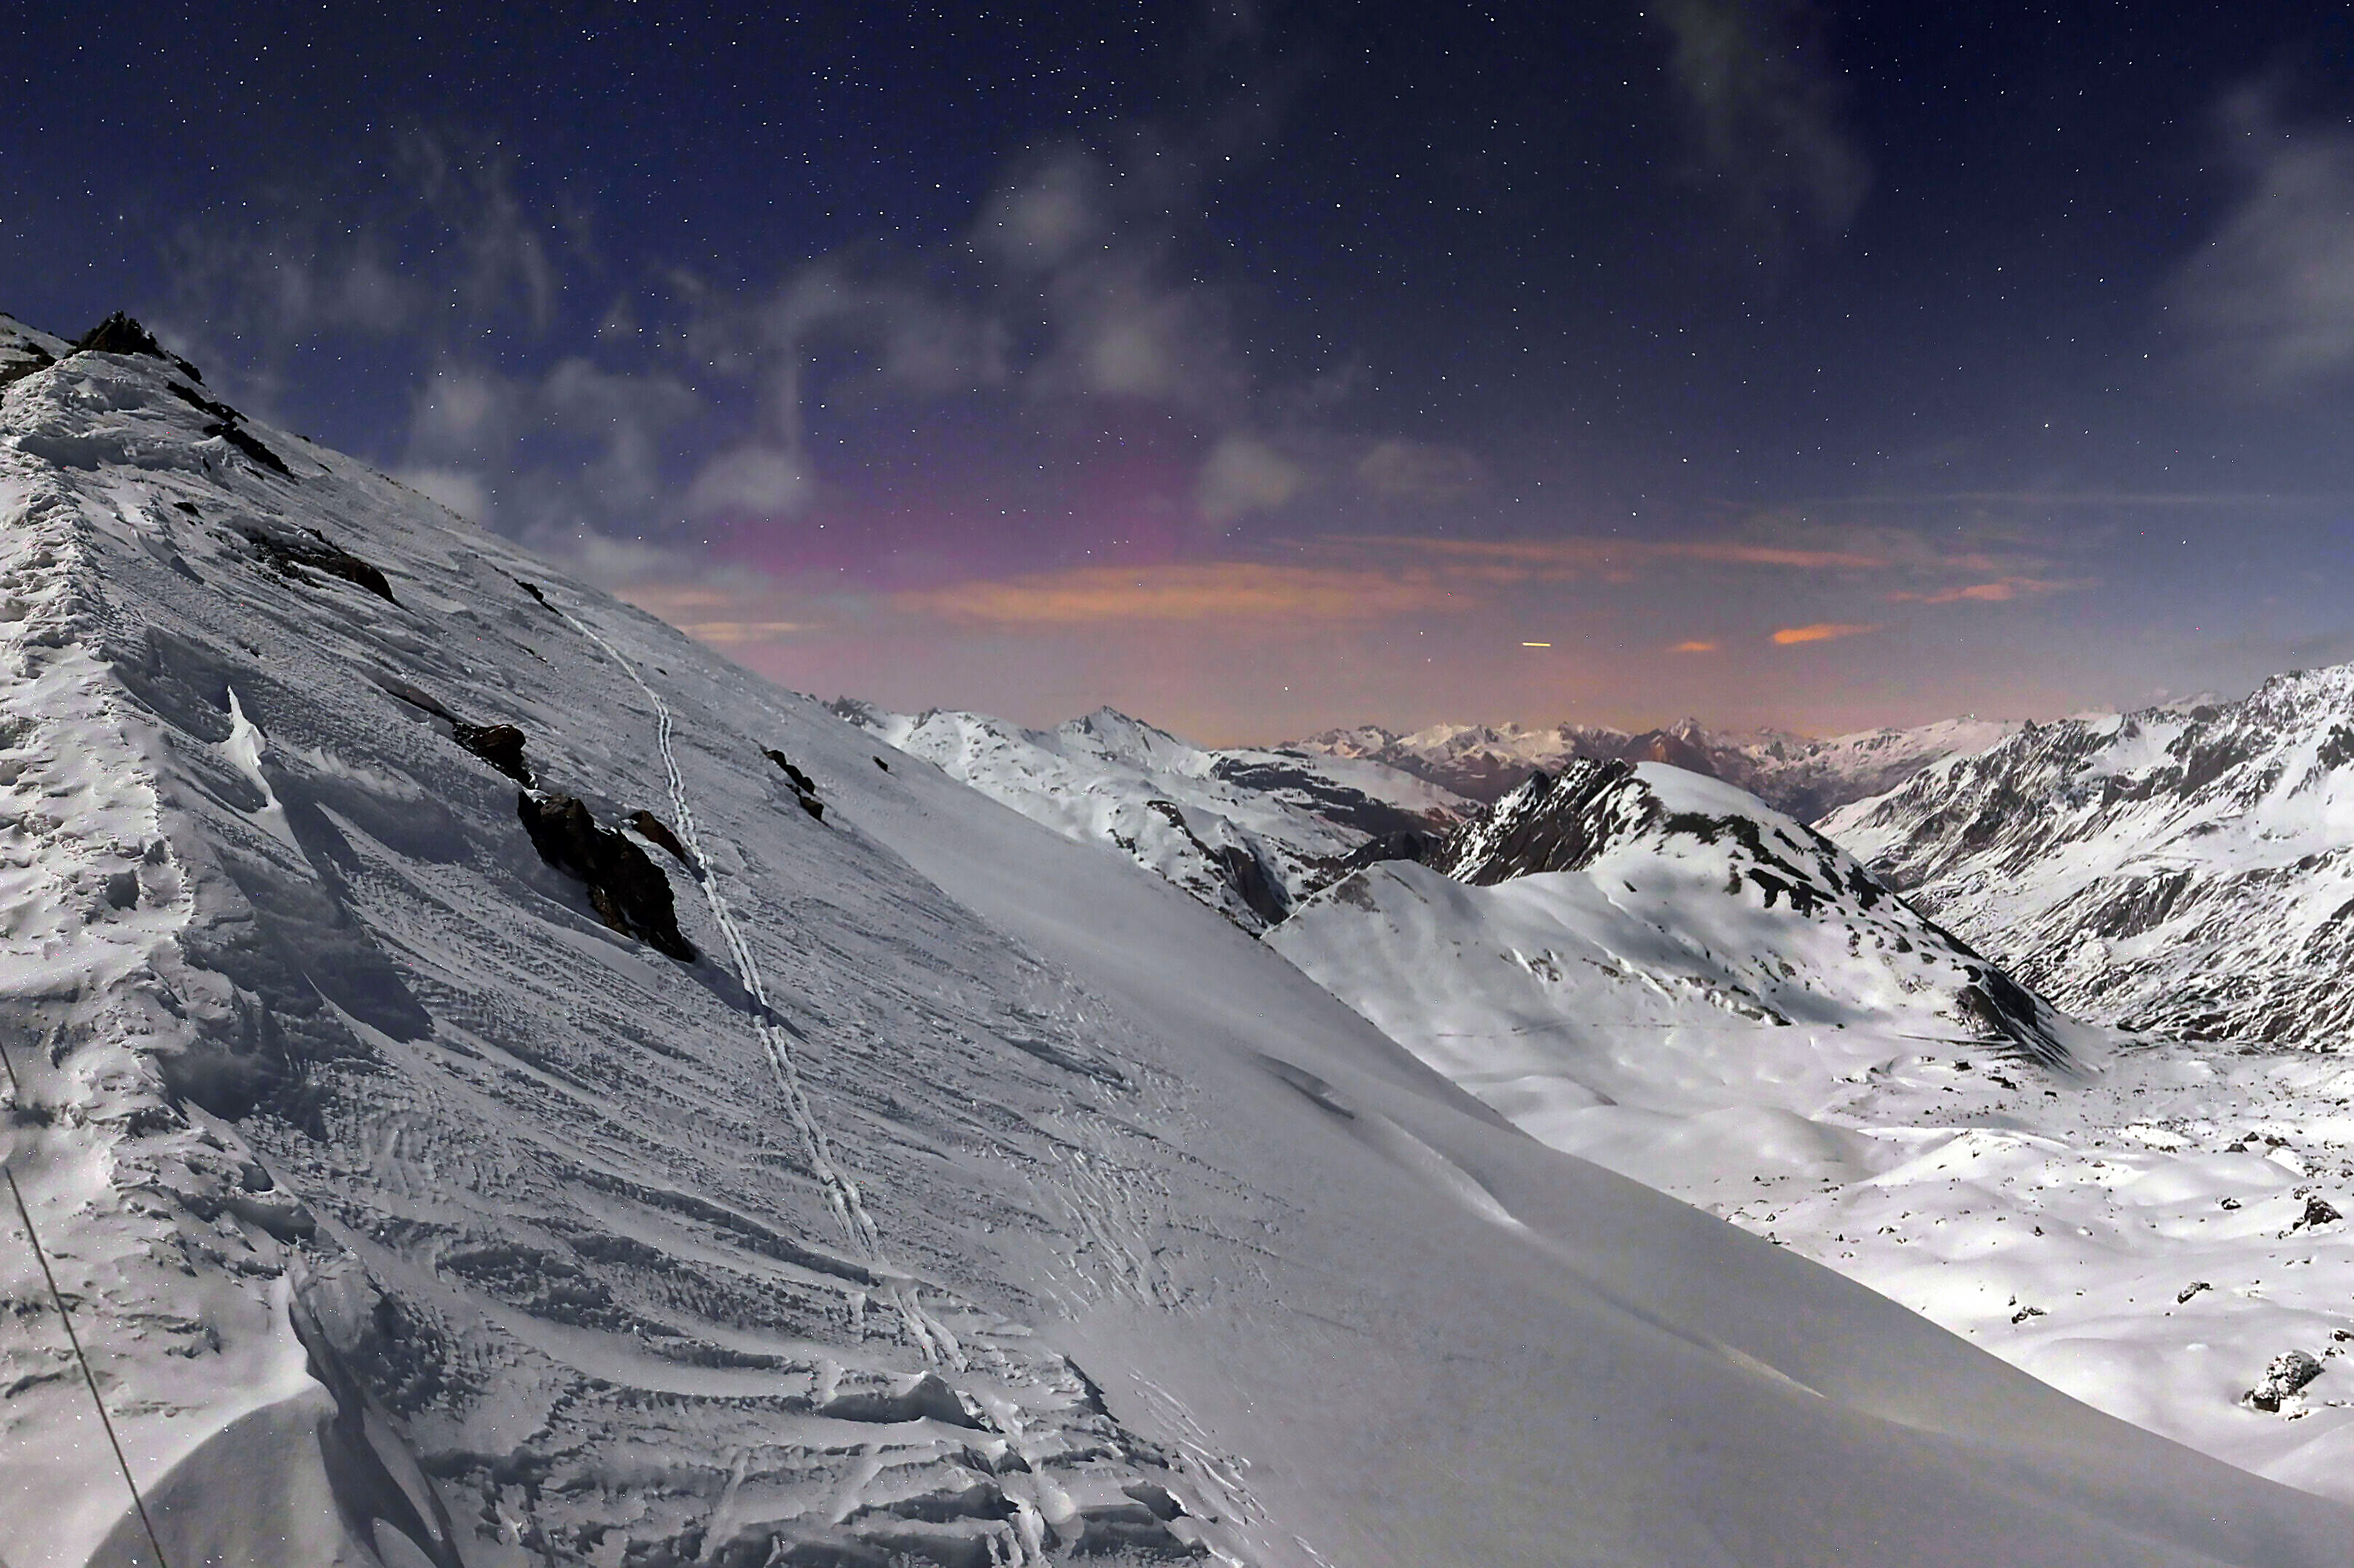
point(1260, 369)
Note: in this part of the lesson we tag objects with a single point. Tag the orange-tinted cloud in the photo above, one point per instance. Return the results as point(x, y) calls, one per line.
point(1989, 593)
point(1541, 557)
point(1693, 646)
point(1209, 590)
point(1821, 632)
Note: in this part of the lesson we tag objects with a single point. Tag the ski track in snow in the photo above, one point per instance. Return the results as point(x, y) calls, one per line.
point(929, 1335)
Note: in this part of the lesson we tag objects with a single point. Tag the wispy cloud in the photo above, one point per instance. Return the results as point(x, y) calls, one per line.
point(2270, 298)
point(1763, 103)
point(1693, 645)
point(1204, 591)
point(1995, 592)
point(1585, 555)
point(1821, 632)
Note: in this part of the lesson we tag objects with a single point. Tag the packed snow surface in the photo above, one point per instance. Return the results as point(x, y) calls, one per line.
point(966, 1198)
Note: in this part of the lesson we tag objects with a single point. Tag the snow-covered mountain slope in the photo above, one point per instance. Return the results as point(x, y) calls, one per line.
point(965, 1198)
point(1614, 950)
point(1247, 833)
point(1647, 968)
point(2188, 872)
point(1798, 776)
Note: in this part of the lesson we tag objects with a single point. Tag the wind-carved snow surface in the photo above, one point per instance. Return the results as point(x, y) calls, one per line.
point(413, 1214)
point(1654, 971)
point(1248, 833)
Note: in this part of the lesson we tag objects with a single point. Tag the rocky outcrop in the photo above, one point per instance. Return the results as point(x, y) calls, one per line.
point(627, 890)
point(291, 555)
point(654, 831)
point(805, 787)
point(500, 745)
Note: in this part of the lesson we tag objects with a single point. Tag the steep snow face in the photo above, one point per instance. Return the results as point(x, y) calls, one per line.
point(1247, 833)
point(1798, 776)
point(1609, 951)
point(963, 1198)
point(2187, 873)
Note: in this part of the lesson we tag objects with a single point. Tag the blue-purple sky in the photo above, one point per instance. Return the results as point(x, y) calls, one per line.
point(1262, 368)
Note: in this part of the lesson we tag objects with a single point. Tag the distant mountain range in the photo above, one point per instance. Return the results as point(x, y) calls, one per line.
point(1798, 775)
point(2184, 871)
point(1248, 833)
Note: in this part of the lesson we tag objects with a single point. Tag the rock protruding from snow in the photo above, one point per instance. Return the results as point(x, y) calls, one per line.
point(1801, 777)
point(627, 890)
point(2283, 1381)
point(1552, 823)
point(2186, 872)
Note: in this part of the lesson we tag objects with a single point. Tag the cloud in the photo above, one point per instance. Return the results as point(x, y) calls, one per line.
point(1994, 592)
point(1693, 646)
point(1757, 88)
point(1204, 591)
point(1420, 470)
point(1583, 555)
point(749, 481)
point(1088, 234)
point(465, 493)
point(2270, 298)
point(1245, 475)
point(1821, 632)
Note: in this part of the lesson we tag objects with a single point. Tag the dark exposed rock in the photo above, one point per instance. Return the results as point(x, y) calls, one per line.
point(245, 441)
point(119, 333)
point(2318, 1211)
point(802, 780)
point(1258, 886)
point(805, 787)
point(2289, 1372)
point(122, 333)
point(628, 891)
point(532, 588)
point(36, 359)
point(202, 404)
point(883, 765)
point(1552, 823)
point(1407, 843)
point(2188, 1291)
point(500, 745)
point(1315, 793)
point(291, 553)
point(653, 829)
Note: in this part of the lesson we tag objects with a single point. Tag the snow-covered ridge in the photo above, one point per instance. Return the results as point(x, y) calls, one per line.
point(1248, 833)
point(966, 1199)
point(1801, 776)
point(2186, 872)
point(1640, 938)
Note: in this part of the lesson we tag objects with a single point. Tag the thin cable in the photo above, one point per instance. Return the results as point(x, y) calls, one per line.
point(17, 1095)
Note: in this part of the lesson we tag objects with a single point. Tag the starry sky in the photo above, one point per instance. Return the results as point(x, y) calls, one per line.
point(1257, 368)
